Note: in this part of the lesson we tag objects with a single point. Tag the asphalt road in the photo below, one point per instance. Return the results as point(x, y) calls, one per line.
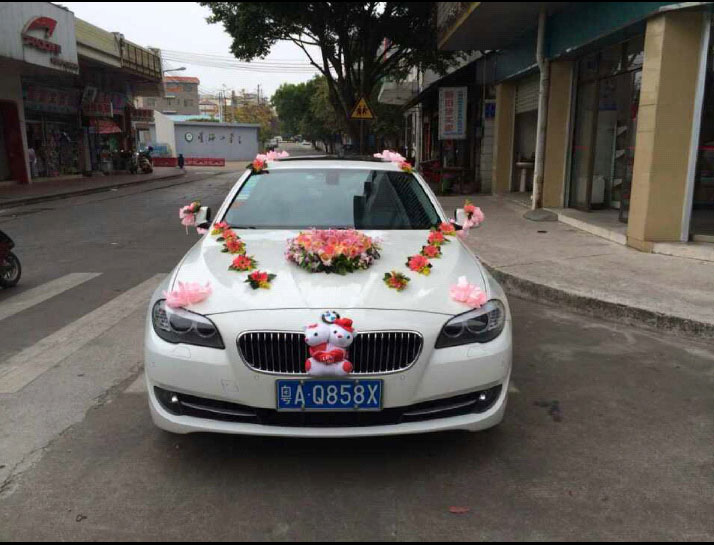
point(608, 434)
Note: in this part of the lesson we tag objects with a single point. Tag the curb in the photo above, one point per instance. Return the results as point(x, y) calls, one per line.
point(637, 316)
point(58, 196)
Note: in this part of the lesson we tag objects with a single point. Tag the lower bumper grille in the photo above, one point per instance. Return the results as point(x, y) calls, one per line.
point(186, 405)
point(283, 352)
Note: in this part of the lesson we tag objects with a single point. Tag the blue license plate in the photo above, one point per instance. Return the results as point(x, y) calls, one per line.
point(329, 395)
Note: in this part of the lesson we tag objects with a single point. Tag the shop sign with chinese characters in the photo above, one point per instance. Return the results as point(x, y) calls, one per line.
point(48, 99)
point(41, 34)
point(452, 113)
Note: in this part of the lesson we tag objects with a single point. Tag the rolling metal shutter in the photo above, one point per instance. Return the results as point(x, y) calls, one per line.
point(527, 94)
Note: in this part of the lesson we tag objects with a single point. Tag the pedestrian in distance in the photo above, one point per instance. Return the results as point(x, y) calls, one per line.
point(181, 161)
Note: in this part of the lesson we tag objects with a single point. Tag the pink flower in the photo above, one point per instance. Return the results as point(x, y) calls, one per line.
point(275, 155)
point(420, 264)
point(469, 294)
point(447, 228)
point(187, 293)
point(201, 230)
point(391, 156)
point(476, 216)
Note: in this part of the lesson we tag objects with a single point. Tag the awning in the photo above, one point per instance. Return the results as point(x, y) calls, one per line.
point(104, 126)
point(489, 26)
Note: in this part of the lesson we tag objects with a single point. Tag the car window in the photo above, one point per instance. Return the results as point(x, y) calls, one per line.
point(332, 198)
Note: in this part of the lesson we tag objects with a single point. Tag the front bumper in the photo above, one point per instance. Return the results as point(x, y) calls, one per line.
point(221, 375)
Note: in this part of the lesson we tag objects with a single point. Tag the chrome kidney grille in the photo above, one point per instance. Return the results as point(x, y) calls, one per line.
point(283, 352)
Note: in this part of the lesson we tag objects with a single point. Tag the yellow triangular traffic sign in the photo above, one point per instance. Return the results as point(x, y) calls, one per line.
point(362, 110)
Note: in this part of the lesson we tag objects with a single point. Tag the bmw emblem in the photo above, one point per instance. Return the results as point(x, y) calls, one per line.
point(330, 316)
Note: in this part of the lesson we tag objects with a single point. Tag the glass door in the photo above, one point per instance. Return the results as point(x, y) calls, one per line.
point(583, 144)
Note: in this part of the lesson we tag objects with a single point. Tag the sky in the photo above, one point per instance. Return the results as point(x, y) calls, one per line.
point(182, 26)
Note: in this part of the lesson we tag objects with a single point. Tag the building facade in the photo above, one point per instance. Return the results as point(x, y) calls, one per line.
point(171, 137)
point(66, 88)
point(180, 97)
point(629, 119)
point(449, 122)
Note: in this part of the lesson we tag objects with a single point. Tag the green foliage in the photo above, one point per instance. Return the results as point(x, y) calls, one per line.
point(260, 114)
point(304, 108)
point(359, 43)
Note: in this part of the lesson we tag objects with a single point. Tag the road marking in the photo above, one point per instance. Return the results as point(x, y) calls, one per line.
point(21, 369)
point(30, 298)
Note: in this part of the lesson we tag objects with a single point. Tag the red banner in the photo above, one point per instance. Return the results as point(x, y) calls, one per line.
point(189, 162)
point(205, 162)
point(164, 161)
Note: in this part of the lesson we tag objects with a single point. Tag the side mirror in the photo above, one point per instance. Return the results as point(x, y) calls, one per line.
point(460, 216)
point(203, 217)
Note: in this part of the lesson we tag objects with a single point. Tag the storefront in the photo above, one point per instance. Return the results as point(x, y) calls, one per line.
point(37, 40)
point(603, 148)
point(53, 129)
point(108, 127)
point(456, 130)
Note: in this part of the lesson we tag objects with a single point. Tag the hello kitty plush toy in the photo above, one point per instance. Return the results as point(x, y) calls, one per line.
point(316, 337)
point(341, 336)
point(328, 344)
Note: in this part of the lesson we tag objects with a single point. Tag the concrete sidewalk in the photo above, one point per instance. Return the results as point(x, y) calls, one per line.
point(555, 262)
point(12, 194)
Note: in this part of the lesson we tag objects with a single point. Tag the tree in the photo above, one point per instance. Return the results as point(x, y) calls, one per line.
point(322, 123)
point(304, 108)
point(260, 114)
point(359, 43)
point(292, 102)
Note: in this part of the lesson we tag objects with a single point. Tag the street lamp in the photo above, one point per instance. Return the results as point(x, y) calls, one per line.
point(174, 69)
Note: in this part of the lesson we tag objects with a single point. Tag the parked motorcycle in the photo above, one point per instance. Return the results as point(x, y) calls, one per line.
point(145, 164)
point(10, 269)
point(141, 161)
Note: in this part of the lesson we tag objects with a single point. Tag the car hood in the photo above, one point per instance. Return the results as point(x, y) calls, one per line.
point(294, 287)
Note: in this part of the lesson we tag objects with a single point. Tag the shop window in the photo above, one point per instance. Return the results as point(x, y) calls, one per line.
point(607, 104)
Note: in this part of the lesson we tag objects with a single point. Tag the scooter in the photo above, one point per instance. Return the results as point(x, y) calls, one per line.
point(145, 164)
point(140, 161)
point(10, 268)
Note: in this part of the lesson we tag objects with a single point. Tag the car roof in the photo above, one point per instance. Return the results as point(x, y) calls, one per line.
point(322, 162)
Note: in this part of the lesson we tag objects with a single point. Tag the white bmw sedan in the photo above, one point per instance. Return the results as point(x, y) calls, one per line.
point(420, 360)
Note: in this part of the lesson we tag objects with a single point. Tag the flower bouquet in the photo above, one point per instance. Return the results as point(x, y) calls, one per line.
point(260, 280)
point(430, 251)
point(420, 264)
point(243, 263)
point(187, 214)
point(396, 280)
point(233, 245)
point(338, 251)
point(436, 238)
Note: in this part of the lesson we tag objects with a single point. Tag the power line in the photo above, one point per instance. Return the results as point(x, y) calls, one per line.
point(229, 63)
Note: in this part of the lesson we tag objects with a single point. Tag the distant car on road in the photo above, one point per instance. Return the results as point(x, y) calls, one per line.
point(305, 143)
point(235, 362)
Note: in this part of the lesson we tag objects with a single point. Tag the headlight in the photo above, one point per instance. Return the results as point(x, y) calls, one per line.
point(476, 326)
point(176, 325)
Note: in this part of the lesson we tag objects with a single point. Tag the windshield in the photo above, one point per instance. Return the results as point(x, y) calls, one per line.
point(332, 198)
